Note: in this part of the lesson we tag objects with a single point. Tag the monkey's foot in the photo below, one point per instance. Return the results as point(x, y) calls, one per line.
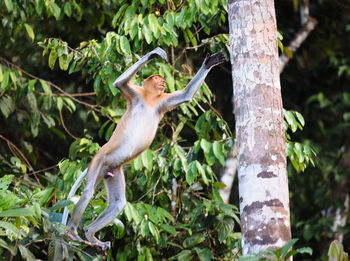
point(104, 246)
point(73, 235)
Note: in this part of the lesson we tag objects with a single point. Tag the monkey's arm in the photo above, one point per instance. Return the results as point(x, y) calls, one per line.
point(178, 97)
point(122, 81)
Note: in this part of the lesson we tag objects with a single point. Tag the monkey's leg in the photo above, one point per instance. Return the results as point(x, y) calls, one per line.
point(115, 187)
point(92, 179)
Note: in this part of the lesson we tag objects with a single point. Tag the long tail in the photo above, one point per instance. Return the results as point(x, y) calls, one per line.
point(72, 193)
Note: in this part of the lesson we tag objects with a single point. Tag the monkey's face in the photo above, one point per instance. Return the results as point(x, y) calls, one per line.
point(155, 84)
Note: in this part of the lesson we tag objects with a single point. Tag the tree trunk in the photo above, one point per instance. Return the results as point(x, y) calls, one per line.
point(262, 173)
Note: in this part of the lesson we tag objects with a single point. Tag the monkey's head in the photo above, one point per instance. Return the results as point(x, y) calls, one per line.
point(154, 84)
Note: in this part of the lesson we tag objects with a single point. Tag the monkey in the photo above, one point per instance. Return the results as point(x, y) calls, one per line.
point(133, 134)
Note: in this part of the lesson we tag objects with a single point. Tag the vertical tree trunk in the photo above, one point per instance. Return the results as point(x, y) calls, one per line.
point(262, 174)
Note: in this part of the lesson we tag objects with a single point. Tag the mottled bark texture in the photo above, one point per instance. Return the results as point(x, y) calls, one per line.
point(341, 194)
point(262, 174)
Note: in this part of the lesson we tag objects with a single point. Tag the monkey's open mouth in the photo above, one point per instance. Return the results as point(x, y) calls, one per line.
point(161, 86)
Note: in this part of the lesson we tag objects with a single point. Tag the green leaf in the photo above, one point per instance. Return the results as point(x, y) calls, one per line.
point(193, 240)
point(61, 204)
point(289, 116)
point(191, 173)
point(67, 9)
point(10, 248)
point(49, 121)
point(204, 254)
point(26, 254)
point(9, 5)
point(1, 75)
point(39, 6)
point(124, 45)
point(154, 231)
point(184, 255)
point(13, 78)
point(180, 17)
point(305, 250)
point(181, 153)
point(70, 104)
point(202, 172)
point(31, 85)
point(300, 118)
point(162, 213)
point(5, 80)
point(138, 163)
point(44, 195)
point(59, 103)
point(118, 14)
point(217, 148)
point(208, 152)
point(147, 159)
point(52, 59)
point(147, 33)
point(153, 23)
point(10, 228)
point(287, 246)
point(299, 151)
point(46, 87)
point(170, 229)
point(132, 213)
point(5, 181)
point(7, 105)
point(109, 131)
point(54, 9)
point(30, 31)
point(63, 62)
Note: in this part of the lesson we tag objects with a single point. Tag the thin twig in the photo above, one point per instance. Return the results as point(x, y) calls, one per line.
point(84, 94)
point(154, 189)
point(15, 151)
point(65, 128)
point(9, 64)
point(42, 170)
point(194, 35)
point(72, 96)
point(299, 38)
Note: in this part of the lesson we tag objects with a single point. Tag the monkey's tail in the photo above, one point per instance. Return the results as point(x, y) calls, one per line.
point(72, 193)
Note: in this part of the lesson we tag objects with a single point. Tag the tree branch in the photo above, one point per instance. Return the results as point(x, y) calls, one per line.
point(65, 128)
point(17, 152)
point(227, 175)
point(297, 41)
point(63, 93)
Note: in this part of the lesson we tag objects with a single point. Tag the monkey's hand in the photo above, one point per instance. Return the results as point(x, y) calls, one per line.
point(158, 52)
point(213, 60)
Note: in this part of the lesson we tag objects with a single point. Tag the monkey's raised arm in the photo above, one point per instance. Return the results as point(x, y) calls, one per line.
point(178, 97)
point(122, 81)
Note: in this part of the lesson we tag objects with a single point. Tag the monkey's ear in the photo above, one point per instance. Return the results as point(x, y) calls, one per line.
point(214, 59)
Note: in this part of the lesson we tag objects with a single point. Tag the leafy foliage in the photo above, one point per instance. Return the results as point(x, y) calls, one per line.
point(174, 208)
point(336, 252)
point(280, 254)
point(300, 155)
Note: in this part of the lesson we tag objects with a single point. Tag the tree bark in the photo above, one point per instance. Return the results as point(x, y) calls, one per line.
point(341, 193)
point(260, 134)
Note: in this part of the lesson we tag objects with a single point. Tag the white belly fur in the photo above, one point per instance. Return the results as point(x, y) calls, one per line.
point(140, 129)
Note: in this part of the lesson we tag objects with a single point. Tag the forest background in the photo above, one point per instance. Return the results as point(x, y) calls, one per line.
point(57, 107)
